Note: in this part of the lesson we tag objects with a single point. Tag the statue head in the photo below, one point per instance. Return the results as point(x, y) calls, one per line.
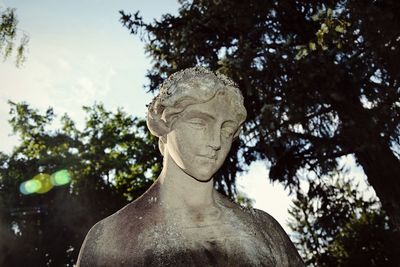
point(196, 116)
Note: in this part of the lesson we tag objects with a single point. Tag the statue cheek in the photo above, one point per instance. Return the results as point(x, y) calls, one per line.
point(226, 147)
point(185, 144)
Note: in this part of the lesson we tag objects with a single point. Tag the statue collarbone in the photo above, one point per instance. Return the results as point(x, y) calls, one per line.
point(181, 220)
point(226, 233)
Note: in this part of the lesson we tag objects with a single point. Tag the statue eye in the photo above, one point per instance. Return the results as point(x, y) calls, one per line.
point(197, 123)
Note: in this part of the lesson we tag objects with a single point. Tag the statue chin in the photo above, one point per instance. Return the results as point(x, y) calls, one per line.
point(200, 177)
point(204, 172)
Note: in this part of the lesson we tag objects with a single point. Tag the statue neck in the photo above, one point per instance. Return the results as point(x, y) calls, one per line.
point(178, 190)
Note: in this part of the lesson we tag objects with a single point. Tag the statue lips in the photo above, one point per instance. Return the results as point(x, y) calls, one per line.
point(212, 157)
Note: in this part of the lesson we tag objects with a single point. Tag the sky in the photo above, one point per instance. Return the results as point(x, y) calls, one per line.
point(80, 54)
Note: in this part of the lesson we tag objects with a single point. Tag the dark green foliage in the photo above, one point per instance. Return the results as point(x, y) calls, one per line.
point(8, 34)
point(112, 160)
point(319, 78)
point(334, 226)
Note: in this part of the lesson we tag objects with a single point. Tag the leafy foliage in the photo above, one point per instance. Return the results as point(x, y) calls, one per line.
point(340, 96)
point(112, 160)
point(8, 34)
point(334, 226)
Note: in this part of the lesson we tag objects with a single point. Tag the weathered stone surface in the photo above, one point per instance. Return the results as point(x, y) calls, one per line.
point(181, 220)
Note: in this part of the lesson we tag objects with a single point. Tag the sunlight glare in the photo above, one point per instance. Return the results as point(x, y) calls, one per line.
point(61, 177)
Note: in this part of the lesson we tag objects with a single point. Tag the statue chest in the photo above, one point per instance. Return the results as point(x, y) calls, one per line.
point(215, 244)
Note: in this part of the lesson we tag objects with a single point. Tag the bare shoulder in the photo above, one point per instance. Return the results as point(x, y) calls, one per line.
point(118, 235)
point(99, 239)
point(273, 231)
point(108, 238)
point(89, 247)
point(270, 230)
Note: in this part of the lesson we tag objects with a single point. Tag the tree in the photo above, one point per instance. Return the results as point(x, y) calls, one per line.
point(112, 160)
point(334, 226)
point(8, 34)
point(319, 78)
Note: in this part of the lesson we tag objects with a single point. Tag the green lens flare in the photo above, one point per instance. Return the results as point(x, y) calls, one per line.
point(61, 177)
point(45, 181)
point(30, 186)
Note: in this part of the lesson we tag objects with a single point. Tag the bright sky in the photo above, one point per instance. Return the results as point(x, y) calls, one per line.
point(78, 54)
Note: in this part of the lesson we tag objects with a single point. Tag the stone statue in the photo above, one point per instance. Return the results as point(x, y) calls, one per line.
point(181, 220)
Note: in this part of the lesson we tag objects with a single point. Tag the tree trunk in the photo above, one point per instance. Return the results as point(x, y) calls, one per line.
point(373, 153)
point(361, 133)
point(383, 171)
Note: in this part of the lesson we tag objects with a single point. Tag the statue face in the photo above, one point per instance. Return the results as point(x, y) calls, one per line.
point(201, 136)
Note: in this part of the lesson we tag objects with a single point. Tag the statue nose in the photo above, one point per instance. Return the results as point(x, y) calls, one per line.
point(215, 146)
point(215, 141)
